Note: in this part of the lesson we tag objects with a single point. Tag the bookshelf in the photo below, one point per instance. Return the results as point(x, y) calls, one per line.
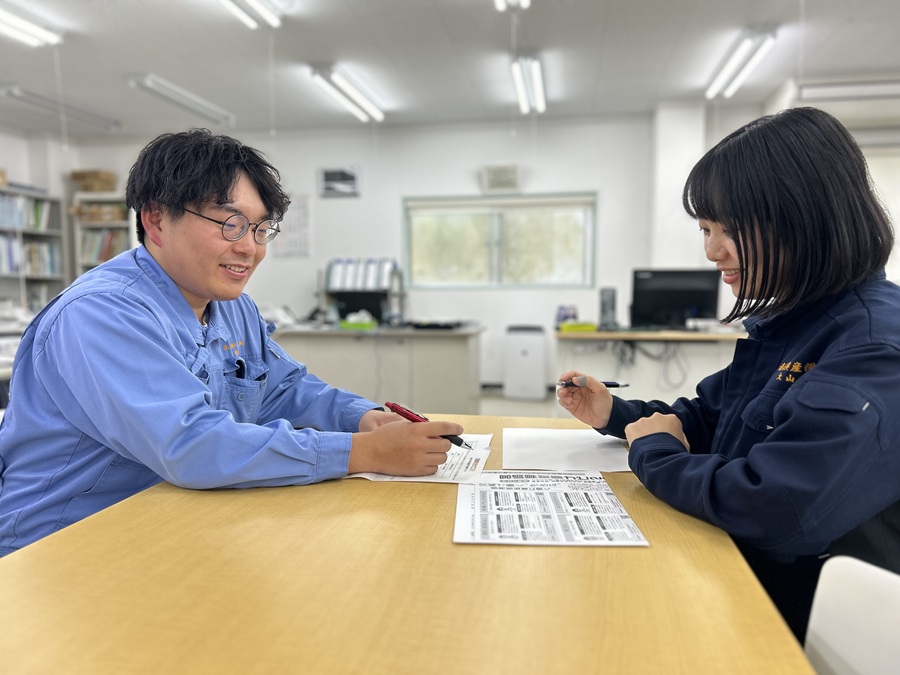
point(104, 227)
point(32, 245)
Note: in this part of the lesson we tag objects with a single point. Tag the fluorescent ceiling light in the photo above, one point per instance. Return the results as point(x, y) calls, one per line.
point(833, 91)
point(537, 86)
point(357, 96)
point(57, 106)
point(183, 98)
point(266, 12)
point(25, 31)
point(501, 5)
point(261, 7)
point(746, 55)
point(345, 93)
point(332, 91)
point(242, 16)
point(528, 80)
point(518, 77)
point(760, 49)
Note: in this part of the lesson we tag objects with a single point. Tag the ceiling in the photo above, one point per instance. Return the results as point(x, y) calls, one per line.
point(432, 61)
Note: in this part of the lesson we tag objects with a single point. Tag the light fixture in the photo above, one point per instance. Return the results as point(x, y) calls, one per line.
point(345, 93)
point(501, 5)
point(267, 13)
point(745, 56)
point(25, 31)
point(261, 7)
point(834, 91)
point(183, 98)
point(528, 80)
point(55, 105)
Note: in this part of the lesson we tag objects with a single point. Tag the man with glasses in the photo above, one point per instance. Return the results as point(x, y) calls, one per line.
point(155, 366)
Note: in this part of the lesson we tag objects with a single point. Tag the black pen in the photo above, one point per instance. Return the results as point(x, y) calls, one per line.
point(416, 417)
point(608, 385)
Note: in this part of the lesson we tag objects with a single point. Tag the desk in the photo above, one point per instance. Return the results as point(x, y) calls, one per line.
point(651, 335)
point(670, 368)
point(354, 576)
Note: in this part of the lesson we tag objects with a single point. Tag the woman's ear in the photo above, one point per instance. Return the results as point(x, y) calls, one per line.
point(151, 219)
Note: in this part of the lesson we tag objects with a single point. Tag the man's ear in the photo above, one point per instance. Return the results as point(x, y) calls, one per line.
point(151, 219)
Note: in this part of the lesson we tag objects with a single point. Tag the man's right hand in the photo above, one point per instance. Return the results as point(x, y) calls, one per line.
point(402, 448)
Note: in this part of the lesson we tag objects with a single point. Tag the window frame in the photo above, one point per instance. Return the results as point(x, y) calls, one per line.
point(495, 205)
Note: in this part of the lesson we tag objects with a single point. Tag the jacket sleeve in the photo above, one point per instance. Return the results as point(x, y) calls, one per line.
point(111, 365)
point(698, 415)
point(817, 471)
point(305, 400)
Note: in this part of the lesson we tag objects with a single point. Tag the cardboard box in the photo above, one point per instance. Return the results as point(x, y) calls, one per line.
point(101, 213)
point(3, 181)
point(94, 180)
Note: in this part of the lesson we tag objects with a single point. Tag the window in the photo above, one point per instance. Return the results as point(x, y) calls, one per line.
point(509, 241)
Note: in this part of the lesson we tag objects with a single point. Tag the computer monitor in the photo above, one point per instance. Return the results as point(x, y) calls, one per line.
point(668, 298)
point(349, 302)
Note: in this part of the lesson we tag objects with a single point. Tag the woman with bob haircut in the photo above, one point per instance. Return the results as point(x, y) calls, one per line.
point(794, 448)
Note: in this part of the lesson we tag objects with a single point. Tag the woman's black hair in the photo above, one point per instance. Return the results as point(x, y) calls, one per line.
point(196, 167)
point(793, 191)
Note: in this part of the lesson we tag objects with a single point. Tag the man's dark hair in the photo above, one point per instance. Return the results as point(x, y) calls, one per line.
point(793, 191)
point(196, 167)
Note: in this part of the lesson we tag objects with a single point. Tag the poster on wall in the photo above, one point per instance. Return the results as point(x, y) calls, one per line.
point(342, 182)
point(295, 238)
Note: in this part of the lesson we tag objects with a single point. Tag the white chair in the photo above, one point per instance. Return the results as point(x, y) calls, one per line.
point(854, 625)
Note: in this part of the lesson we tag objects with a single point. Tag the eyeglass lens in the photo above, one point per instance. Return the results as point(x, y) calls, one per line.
point(236, 226)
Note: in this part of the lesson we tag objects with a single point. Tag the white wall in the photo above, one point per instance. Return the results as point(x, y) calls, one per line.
point(14, 158)
point(679, 139)
point(39, 162)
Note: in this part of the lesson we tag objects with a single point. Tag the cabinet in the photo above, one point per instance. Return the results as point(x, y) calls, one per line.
point(104, 227)
point(430, 371)
point(32, 263)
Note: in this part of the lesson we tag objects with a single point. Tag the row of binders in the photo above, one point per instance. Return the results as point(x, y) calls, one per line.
point(36, 258)
point(19, 212)
point(361, 274)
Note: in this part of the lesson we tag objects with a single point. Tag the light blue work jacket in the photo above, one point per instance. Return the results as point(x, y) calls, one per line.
point(116, 386)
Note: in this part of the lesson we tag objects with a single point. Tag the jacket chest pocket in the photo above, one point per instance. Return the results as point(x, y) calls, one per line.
point(243, 389)
point(759, 414)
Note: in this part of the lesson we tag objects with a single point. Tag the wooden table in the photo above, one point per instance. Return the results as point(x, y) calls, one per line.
point(354, 576)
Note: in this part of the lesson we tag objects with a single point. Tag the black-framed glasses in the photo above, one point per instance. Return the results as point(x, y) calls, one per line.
point(236, 226)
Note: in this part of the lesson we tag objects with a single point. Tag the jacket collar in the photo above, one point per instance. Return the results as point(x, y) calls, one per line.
point(764, 328)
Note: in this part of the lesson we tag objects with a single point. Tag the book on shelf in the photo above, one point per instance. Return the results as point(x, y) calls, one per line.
point(41, 258)
point(12, 211)
point(20, 212)
point(10, 254)
point(40, 215)
point(101, 244)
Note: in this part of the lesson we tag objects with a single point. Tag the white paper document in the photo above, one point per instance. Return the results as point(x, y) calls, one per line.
point(463, 465)
point(543, 508)
point(563, 450)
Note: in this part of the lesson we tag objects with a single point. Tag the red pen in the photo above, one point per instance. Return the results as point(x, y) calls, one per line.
point(407, 414)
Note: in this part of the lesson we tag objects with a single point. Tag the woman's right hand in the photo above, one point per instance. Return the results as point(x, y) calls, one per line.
point(589, 401)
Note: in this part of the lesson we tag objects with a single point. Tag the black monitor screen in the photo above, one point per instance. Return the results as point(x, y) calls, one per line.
point(349, 302)
point(668, 298)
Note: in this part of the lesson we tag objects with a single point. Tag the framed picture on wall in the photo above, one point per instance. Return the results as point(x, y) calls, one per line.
point(343, 182)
